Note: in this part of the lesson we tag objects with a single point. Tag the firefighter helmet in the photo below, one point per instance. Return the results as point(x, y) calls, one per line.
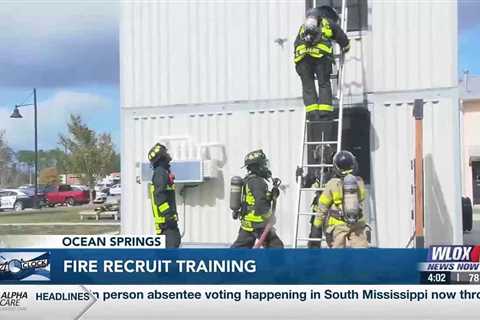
point(158, 153)
point(344, 163)
point(257, 162)
point(327, 12)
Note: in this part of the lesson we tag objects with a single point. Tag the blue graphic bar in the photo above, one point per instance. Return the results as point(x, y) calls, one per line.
point(227, 266)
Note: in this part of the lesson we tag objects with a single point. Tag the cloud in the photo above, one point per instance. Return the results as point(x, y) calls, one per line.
point(54, 44)
point(53, 115)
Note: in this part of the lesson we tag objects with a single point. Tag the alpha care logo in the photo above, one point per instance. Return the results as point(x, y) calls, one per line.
point(12, 298)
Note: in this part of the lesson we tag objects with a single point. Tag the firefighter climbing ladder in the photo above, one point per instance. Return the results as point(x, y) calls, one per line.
point(337, 82)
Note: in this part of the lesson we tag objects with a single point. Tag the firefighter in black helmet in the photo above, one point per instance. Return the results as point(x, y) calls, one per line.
point(256, 203)
point(340, 206)
point(314, 57)
point(162, 196)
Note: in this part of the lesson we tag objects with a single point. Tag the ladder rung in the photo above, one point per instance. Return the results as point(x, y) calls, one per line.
point(312, 189)
point(310, 239)
point(307, 213)
point(318, 165)
point(320, 142)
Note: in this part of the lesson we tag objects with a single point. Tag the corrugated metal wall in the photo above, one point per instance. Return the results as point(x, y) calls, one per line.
point(180, 59)
point(189, 52)
point(393, 143)
point(241, 129)
point(414, 45)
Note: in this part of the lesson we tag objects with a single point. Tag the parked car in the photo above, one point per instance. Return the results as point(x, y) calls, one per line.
point(65, 194)
point(17, 200)
point(116, 190)
point(101, 196)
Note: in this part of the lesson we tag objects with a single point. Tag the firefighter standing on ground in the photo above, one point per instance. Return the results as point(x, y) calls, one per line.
point(162, 196)
point(256, 204)
point(339, 207)
point(314, 57)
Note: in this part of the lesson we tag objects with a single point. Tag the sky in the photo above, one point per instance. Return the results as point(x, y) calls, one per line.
point(68, 50)
point(469, 36)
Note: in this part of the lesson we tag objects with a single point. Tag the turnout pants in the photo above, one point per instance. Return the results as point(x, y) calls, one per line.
point(354, 235)
point(172, 237)
point(247, 239)
point(318, 108)
point(307, 69)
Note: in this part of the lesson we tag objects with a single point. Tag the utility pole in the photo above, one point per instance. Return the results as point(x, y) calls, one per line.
point(419, 202)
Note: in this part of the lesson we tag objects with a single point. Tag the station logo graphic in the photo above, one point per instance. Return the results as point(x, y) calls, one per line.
point(452, 258)
point(24, 266)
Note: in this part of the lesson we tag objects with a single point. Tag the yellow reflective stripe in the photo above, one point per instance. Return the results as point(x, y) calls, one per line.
point(249, 198)
point(322, 47)
point(246, 225)
point(164, 207)
point(362, 193)
point(300, 52)
point(326, 29)
point(325, 107)
point(151, 195)
point(317, 222)
point(325, 200)
point(252, 217)
point(170, 187)
point(337, 197)
point(311, 107)
point(159, 219)
point(334, 221)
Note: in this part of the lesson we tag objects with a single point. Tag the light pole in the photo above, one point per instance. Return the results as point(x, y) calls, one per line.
point(16, 115)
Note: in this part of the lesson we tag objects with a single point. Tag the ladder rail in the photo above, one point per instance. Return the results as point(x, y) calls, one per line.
point(299, 184)
point(340, 79)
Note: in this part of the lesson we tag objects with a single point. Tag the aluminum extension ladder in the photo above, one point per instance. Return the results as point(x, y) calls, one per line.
point(337, 82)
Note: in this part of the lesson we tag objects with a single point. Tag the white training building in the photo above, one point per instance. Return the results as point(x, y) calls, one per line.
point(216, 79)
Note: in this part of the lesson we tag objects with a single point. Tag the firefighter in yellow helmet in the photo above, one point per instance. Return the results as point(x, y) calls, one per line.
point(257, 204)
point(162, 196)
point(340, 206)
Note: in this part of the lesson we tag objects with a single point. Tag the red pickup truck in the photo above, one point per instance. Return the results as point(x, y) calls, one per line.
point(64, 193)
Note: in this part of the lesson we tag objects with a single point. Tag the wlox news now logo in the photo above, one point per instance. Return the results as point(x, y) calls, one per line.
point(25, 266)
point(453, 258)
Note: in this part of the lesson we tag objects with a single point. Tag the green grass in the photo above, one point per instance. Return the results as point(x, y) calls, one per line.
point(58, 230)
point(53, 215)
point(58, 215)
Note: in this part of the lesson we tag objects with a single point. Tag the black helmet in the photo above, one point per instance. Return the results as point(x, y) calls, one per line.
point(159, 153)
point(257, 162)
point(344, 163)
point(327, 12)
point(312, 12)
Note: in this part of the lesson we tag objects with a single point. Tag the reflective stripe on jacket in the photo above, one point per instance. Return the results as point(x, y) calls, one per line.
point(257, 201)
point(320, 46)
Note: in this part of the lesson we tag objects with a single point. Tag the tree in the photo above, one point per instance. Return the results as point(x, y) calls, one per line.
point(88, 153)
point(49, 176)
point(10, 175)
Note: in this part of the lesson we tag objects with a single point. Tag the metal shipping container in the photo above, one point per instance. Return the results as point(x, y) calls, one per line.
point(217, 79)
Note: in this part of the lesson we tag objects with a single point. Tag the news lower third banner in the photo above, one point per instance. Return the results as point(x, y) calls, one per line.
point(211, 266)
point(136, 277)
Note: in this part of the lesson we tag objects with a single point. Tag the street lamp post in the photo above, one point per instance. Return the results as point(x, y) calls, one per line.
point(16, 115)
